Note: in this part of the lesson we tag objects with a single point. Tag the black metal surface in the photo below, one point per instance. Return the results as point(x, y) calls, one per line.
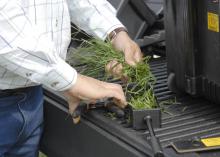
point(63, 139)
point(192, 46)
point(186, 118)
point(193, 145)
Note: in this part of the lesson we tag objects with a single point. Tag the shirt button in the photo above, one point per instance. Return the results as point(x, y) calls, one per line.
point(56, 22)
point(54, 84)
point(28, 74)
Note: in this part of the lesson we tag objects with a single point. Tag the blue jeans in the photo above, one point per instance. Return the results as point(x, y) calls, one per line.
point(21, 122)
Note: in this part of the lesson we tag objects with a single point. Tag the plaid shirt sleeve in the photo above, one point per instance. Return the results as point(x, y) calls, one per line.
point(96, 17)
point(25, 49)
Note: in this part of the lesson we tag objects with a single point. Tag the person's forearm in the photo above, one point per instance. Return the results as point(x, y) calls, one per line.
point(27, 53)
point(58, 76)
point(96, 17)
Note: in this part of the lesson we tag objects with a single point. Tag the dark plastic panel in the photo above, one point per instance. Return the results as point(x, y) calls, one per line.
point(155, 5)
point(193, 49)
point(135, 15)
point(62, 138)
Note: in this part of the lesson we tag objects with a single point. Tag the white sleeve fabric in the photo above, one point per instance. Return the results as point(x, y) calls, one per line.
point(96, 17)
point(24, 52)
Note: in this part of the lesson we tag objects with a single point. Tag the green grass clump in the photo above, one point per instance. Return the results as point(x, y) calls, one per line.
point(95, 54)
point(145, 101)
point(41, 155)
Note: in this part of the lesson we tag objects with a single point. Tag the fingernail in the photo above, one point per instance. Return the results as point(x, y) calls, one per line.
point(132, 63)
point(76, 120)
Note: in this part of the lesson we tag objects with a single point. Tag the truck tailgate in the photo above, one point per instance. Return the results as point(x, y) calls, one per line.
point(99, 135)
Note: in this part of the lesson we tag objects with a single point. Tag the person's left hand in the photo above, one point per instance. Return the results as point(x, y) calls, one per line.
point(131, 50)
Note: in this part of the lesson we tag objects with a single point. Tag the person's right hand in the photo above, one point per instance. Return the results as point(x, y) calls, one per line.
point(89, 89)
point(132, 54)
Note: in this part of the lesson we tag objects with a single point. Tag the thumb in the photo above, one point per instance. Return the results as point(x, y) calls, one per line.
point(138, 55)
point(119, 99)
point(73, 104)
point(129, 57)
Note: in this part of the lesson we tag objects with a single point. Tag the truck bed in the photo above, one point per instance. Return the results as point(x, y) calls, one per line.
point(99, 135)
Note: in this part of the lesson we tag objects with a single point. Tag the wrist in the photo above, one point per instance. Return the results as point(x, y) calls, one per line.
point(113, 34)
point(73, 90)
point(121, 41)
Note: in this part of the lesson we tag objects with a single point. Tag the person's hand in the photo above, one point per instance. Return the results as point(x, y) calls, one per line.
point(89, 89)
point(73, 104)
point(131, 50)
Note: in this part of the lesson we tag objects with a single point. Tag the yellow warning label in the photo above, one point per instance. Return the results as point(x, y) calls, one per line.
point(211, 142)
point(213, 22)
